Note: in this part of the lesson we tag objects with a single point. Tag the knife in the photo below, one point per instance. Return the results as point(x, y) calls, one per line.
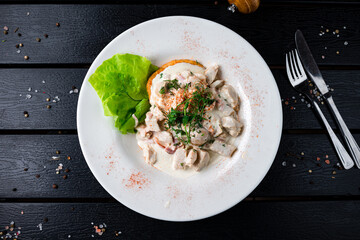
point(314, 73)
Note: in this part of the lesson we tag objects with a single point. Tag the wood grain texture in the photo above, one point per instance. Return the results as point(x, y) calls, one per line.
point(62, 115)
point(80, 37)
point(35, 151)
point(247, 220)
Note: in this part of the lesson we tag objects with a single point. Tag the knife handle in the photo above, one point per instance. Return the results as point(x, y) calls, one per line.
point(341, 151)
point(349, 139)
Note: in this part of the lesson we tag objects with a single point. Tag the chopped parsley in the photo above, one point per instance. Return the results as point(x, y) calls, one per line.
point(189, 114)
point(169, 84)
point(161, 75)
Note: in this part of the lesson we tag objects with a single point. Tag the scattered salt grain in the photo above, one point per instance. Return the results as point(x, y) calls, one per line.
point(308, 105)
point(55, 158)
point(76, 90)
point(29, 89)
point(18, 51)
point(43, 81)
point(40, 226)
point(294, 165)
point(346, 43)
point(27, 14)
point(56, 99)
point(69, 236)
point(283, 163)
point(28, 96)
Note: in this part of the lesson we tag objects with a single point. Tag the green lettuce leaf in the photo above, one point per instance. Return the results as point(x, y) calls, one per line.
point(120, 82)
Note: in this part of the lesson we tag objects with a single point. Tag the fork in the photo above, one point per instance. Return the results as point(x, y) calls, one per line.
point(298, 80)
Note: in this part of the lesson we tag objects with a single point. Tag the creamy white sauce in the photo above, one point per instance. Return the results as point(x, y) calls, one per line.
point(169, 73)
point(164, 160)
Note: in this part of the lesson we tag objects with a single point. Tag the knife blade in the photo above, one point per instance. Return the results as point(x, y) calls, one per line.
point(309, 63)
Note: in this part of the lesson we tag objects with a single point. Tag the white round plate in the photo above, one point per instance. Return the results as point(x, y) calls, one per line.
point(116, 160)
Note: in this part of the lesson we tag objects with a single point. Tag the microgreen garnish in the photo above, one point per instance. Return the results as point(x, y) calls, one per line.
point(169, 84)
point(189, 114)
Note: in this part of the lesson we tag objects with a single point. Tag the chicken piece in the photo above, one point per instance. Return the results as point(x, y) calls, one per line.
point(225, 108)
point(179, 159)
point(191, 157)
point(159, 115)
point(164, 139)
point(223, 137)
point(228, 93)
point(151, 122)
point(204, 160)
point(212, 124)
point(211, 73)
point(201, 77)
point(218, 83)
point(149, 154)
point(199, 136)
point(222, 148)
point(141, 131)
point(231, 125)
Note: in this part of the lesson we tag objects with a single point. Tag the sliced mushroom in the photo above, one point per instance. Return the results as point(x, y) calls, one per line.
point(225, 108)
point(222, 148)
point(164, 139)
point(199, 136)
point(211, 73)
point(228, 93)
point(179, 159)
point(191, 157)
point(231, 125)
point(218, 83)
point(203, 160)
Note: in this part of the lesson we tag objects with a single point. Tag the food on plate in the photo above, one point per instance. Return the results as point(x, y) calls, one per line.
point(120, 82)
point(193, 114)
point(182, 112)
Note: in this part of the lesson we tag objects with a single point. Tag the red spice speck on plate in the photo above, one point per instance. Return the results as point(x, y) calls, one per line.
point(327, 161)
point(137, 180)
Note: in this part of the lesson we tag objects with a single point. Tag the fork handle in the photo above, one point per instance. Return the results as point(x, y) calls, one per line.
point(349, 139)
point(341, 151)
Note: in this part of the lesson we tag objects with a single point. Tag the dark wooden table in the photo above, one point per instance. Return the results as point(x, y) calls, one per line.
point(305, 195)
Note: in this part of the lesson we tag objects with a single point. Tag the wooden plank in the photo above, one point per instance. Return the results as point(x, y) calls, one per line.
point(29, 171)
point(247, 220)
point(33, 152)
point(54, 82)
point(271, 29)
point(62, 115)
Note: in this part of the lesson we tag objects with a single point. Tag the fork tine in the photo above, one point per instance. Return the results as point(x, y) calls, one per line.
point(296, 70)
point(302, 71)
point(288, 69)
point(292, 66)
